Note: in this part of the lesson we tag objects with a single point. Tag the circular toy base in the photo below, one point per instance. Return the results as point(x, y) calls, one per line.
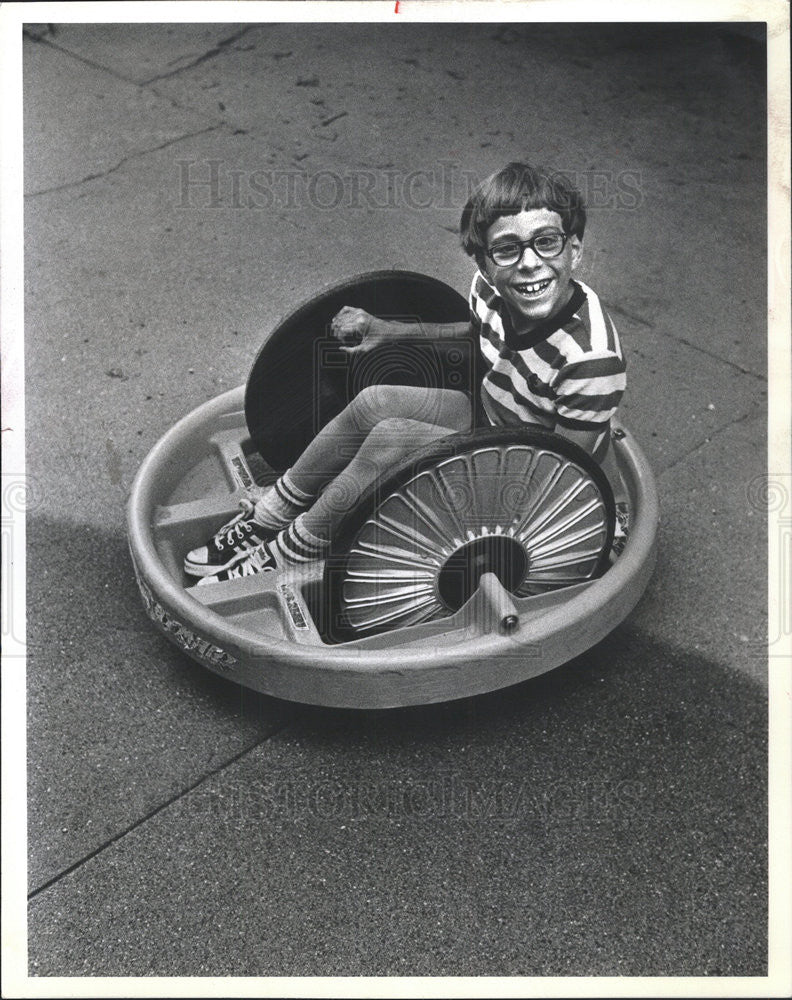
point(265, 631)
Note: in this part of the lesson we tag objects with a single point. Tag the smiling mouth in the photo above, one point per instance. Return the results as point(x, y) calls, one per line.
point(532, 289)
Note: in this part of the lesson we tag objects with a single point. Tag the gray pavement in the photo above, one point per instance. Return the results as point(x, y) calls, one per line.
point(606, 819)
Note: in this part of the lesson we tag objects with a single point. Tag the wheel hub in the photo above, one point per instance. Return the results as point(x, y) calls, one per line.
point(499, 554)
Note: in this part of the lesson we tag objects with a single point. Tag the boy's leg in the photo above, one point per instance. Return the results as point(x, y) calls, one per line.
point(308, 536)
point(327, 455)
point(339, 441)
point(390, 441)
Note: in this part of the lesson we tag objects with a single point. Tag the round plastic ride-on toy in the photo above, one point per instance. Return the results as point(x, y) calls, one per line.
point(482, 560)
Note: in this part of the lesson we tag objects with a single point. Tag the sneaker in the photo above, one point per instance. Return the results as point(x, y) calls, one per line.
point(230, 544)
point(261, 560)
point(622, 528)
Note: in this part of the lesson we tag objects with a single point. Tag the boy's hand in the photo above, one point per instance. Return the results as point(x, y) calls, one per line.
point(358, 329)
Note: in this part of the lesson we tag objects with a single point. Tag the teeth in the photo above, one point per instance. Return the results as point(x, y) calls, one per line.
point(531, 288)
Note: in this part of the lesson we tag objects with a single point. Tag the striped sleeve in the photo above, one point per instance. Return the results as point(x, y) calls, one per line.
point(480, 302)
point(475, 321)
point(589, 391)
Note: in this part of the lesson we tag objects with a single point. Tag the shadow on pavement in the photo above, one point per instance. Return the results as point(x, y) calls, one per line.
point(606, 818)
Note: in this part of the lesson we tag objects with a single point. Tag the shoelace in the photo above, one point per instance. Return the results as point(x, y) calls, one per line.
point(234, 527)
point(242, 529)
point(253, 564)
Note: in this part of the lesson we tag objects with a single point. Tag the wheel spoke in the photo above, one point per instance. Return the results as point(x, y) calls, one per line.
point(545, 485)
point(566, 544)
point(423, 510)
point(554, 507)
point(544, 514)
point(411, 611)
point(550, 538)
point(406, 535)
point(387, 555)
point(377, 597)
point(445, 489)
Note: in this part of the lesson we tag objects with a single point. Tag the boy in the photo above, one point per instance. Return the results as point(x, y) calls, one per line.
point(552, 354)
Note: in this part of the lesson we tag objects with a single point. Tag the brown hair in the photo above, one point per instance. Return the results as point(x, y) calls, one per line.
point(516, 188)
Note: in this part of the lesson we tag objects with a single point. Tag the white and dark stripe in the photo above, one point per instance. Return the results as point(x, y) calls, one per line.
point(289, 493)
point(572, 374)
point(281, 503)
point(297, 545)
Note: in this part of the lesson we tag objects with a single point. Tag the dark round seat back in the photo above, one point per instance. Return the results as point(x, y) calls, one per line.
point(301, 379)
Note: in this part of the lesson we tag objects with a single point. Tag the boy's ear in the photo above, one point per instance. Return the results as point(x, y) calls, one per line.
point(577, 249)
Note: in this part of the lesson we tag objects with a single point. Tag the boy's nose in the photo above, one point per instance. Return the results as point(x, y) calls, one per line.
point(533, 259)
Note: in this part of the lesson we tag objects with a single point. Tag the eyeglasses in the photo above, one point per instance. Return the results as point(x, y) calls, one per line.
point(545, 245)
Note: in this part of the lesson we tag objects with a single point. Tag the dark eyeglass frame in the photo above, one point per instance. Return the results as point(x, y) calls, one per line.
point(522, 244)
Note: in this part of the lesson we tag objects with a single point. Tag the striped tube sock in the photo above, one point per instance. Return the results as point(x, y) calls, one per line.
point(281, 503)
point(295, 544)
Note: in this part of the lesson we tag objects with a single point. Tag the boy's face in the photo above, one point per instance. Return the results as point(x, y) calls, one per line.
point(534, 288)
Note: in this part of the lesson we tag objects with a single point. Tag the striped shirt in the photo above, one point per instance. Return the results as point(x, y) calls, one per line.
point(568, 371)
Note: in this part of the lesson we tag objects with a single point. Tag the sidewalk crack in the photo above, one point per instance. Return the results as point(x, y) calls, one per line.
point(632, 318)
point(717, 357)
point(209, 54)
point(707, 440)
point(42, 40)
point(150, 815)
point(125, 159)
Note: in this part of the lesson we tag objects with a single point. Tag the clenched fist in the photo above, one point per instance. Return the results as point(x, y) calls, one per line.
point(358, 329)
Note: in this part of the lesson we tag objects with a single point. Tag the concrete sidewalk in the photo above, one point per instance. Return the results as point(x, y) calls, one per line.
point(182, 193)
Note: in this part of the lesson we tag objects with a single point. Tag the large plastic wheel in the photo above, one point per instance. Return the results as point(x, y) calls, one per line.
point(526, 505)
point(300, 378)
point(267, 632)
